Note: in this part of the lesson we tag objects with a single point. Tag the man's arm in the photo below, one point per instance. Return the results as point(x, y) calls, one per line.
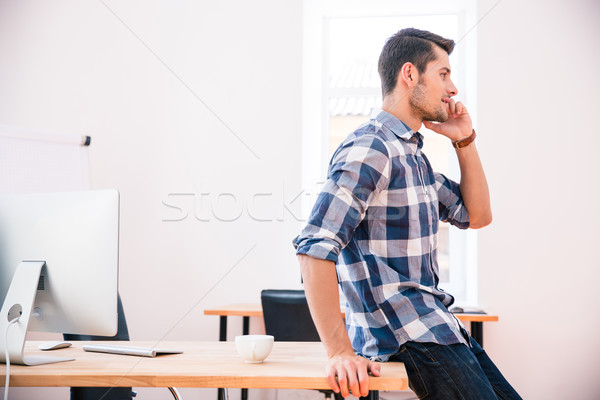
point(473, 185)
point(346, 372)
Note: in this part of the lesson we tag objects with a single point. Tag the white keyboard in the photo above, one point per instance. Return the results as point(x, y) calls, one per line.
point(129, 350)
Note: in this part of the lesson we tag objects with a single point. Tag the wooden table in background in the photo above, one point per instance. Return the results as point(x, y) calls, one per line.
point(291, 365)
point(255, 310)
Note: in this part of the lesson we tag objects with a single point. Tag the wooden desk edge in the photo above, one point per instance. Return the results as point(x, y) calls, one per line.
point(255, 310)
point(154, 372)
point(207, 382)
point(239, 310)
point(477, 317)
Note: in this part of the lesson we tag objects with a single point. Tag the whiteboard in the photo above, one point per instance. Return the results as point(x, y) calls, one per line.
point(34, 161)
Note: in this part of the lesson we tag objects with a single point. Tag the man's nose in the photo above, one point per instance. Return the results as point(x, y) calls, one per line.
point(452, 90)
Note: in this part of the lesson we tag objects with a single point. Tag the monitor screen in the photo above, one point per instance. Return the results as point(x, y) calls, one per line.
point(76, 234)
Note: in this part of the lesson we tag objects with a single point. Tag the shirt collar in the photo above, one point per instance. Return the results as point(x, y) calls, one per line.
point(396, 126)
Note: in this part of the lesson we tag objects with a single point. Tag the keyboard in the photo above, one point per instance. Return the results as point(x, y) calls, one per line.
point(129, 350)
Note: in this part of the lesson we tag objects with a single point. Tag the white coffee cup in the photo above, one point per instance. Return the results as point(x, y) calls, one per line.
point(254, 348)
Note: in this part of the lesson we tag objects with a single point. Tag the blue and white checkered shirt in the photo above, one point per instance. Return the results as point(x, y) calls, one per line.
point(377, 218)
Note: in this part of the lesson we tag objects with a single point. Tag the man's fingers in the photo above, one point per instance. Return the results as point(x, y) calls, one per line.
point(350, 375)
point(332, 379)
point(375, 368)
point(352, 370)
point(343, 381)
point(452, 106)
point(363, 380)
point(460, 109)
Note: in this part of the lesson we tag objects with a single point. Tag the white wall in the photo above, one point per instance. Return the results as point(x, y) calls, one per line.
point(72, 66)
point(538, 136)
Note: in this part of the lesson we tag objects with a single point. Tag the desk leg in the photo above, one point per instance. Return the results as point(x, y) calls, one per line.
point(477, 331)
point(222, 338)
point(223, 328)
point(245, 331)
point(246, 327)
point(373, 395)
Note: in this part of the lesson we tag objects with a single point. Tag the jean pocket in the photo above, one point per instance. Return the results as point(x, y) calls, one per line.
point(415, 380)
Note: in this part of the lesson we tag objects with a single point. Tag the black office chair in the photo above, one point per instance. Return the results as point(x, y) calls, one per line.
point(115, 393)
point(287, 318)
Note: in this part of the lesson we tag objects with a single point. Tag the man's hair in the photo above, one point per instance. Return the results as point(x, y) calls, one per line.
point(408, 45)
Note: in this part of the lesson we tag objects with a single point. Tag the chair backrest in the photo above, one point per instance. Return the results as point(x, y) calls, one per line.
point(287, 317)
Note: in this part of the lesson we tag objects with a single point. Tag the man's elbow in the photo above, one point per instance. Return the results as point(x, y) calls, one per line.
point(481, 222)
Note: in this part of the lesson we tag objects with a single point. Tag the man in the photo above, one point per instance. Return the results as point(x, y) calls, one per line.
point(377, 218)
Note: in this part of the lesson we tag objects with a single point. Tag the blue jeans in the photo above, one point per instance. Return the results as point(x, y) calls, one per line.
point(453, 372)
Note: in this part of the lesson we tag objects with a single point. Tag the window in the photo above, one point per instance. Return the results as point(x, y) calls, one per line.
point(342, 42)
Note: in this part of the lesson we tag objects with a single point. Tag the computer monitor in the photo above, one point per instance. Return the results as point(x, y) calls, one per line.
point(59, 256)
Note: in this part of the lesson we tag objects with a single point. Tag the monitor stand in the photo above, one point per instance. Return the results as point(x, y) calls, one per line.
point(19, 301)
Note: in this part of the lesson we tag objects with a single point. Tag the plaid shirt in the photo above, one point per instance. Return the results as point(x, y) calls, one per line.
point(377, 218)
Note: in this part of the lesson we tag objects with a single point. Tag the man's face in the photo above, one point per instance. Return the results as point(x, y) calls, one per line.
point(429, 98)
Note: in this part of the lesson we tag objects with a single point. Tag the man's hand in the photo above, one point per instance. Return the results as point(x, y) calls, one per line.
point(349, 373)
point(458, 125)
point(346, 372)
point(473, 184)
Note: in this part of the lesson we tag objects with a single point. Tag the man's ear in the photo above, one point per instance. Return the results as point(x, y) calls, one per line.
point(408, 74)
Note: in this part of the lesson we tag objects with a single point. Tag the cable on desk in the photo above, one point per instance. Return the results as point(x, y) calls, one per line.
point(7, 356)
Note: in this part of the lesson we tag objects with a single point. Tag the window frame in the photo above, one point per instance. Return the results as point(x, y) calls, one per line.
point(315, 107)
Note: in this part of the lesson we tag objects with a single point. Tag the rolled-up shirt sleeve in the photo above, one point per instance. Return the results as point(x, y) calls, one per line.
point(451, 206)
point(359, 170)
